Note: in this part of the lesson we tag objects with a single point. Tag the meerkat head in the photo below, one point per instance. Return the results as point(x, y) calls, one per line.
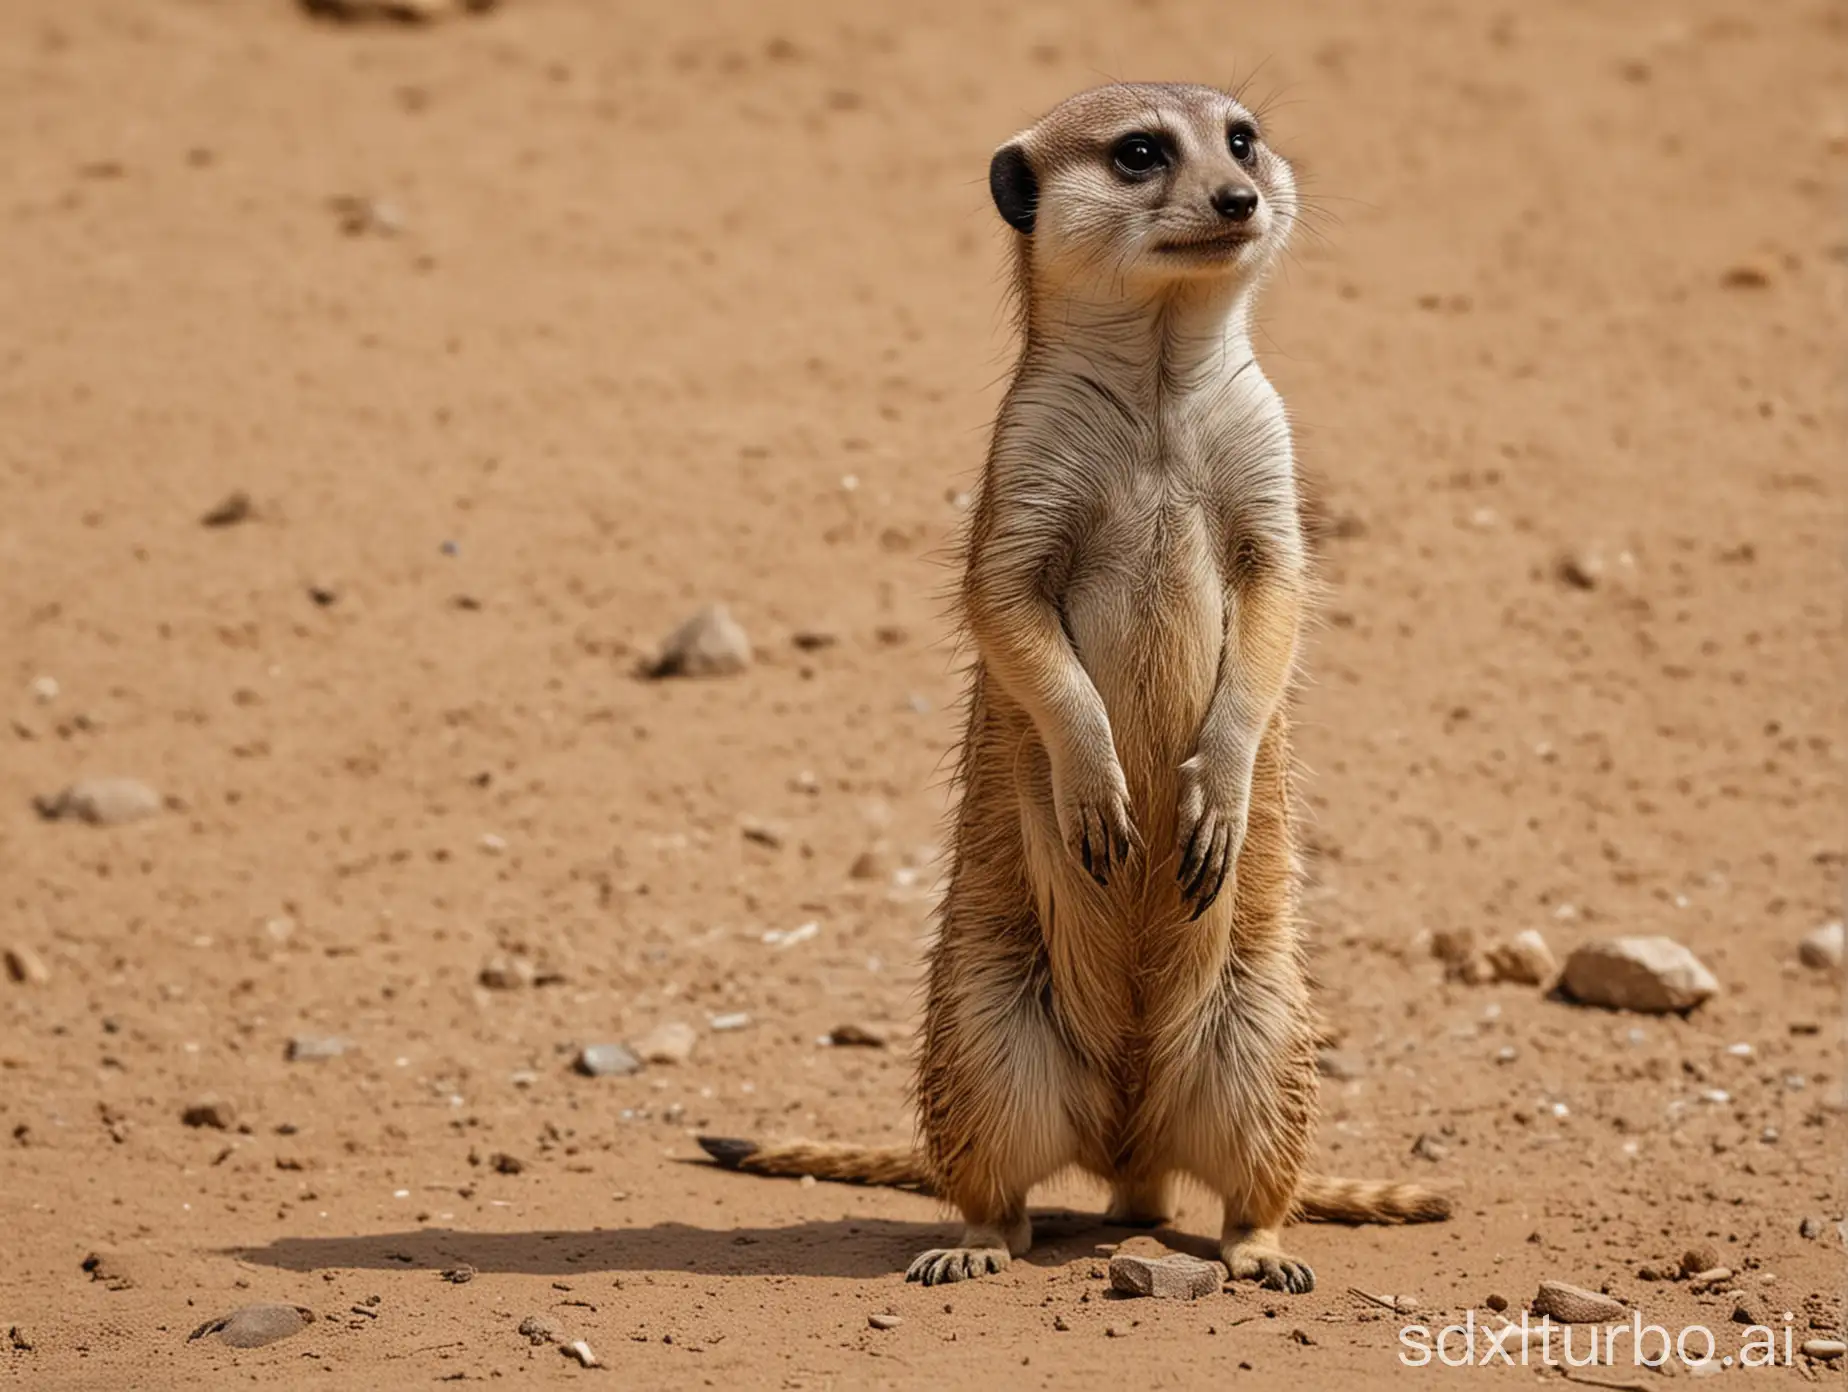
point(1145, 185)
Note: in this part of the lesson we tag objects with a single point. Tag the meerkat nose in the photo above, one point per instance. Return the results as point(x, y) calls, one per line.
point(1235, 201)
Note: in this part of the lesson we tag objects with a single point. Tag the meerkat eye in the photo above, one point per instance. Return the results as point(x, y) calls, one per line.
point(1242, 141)
point(1137, 156)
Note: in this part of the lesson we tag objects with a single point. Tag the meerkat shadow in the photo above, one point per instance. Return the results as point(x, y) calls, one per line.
point(842, 1248)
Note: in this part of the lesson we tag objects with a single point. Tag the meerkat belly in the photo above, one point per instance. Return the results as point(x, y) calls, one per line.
point(1147, 620)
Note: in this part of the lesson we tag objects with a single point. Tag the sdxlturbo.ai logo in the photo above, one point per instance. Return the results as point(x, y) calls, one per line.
point(1546, 1344)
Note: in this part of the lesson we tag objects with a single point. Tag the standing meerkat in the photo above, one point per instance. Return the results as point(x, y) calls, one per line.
point(1117, 983)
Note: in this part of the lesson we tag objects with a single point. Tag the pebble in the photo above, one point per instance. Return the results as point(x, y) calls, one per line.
point(1653, 975)
point(101, 802)
point(670, 1042)
point(580, 1350)
point(316, 1048)
point(214, 1112)
point(462, 1274)
point(868, 865)
point(111, 1269)
point(710, 644)
point(45, 690)
point(1463, 960)
point(1496, 1301)
point(1526, 960)
point(508, 972)
point(1575, 1305)
point(256, 1325)
point(1332, 1063)
point(1822, 948)
point(1824, 1348)
point(1812, 1228)
point(855, 1037)
point(503, 1163)
point(228, 511)
point(1582, 569)
point(1428, 1147)
point(542, 1329)
point(764, 833)
point(1751, 1309)
point(1698, 1259)
point(1175, 1277)
point(1747, 275)
point(19, 1339)
point(723, 1023)
point(607, 1061)
point(26, 967)
point(884, 1321)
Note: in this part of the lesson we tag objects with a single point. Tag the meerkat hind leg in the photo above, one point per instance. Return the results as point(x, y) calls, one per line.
point(985, 1248)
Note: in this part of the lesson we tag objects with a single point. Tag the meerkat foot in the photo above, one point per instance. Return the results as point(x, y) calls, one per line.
point(983, 1251)
point(1252, 1254)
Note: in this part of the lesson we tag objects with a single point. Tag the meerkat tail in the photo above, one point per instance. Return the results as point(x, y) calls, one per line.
point(897, 1167)
point(1320, 1198)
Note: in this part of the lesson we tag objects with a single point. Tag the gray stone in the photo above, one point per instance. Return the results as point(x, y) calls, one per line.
point(542, 1329)
point(316, 1048)
point(710, 644)
point(607, 1061)
point(1175, 1277)
point(1575, 1305)
point(1526, 960)
point(256, 1325)
point(1655, 976)
point(101, 802)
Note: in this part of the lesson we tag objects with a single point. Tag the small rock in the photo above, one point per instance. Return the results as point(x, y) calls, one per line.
point(1332, 1063)
point(360, 216)
point(1526, 960)
point(607, 1061)
point(1822, 948)
point(316, 1048)
point(1582, 569)
point(256, 1325)
point(1812, 1228)
point(813, 639)
point(1176, 1277)
point(884, 1321)
point(764, 834)
point(868, 865)
point(101, 802)
point(210, 1111)
point(1496, 1302)
point(671, 1042)
point(722, 1024)
point(710, 644)
point(580, 1350)
point(1751, 1309)
point(19, 1339)
point(230, 510)
point(1406, 1304)
point(1428, 1147)
point(45, 690)
point(508, 972)
point(503, 1163)
point(1647, 1272)
point(1712, 1276)
point(1463, 959)
point(26, 967)
point(111, 1270)
point(855, 1037)
point(1824, 1348)
point(1060, 1323)
point(542, 1329)
point(462, 1273)
point(1575, 1305)
point(1698, 1259)
point(1653, 975)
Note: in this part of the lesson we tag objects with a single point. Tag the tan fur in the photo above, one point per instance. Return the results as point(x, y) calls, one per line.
point(1118, 983)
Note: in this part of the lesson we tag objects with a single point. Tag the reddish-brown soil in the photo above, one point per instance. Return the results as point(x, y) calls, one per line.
point(677, 303)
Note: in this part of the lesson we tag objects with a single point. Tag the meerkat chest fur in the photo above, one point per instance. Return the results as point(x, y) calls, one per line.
point(1134, 564)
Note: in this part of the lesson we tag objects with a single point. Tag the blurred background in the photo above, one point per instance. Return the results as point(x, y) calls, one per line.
point(380, 392)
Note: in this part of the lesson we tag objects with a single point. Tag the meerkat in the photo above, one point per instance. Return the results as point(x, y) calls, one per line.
point(1117, 982)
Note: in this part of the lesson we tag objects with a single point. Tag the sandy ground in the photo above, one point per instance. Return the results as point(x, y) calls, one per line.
point(632, 307)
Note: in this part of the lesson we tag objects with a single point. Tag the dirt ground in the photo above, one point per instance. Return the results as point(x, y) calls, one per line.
point(526, 333)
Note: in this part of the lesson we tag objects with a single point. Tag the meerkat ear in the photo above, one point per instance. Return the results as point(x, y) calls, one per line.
point(1015, 187)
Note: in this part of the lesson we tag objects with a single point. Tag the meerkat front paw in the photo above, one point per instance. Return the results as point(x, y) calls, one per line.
point(1211, 830)
point(942, 1265)
point(1092, 798)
